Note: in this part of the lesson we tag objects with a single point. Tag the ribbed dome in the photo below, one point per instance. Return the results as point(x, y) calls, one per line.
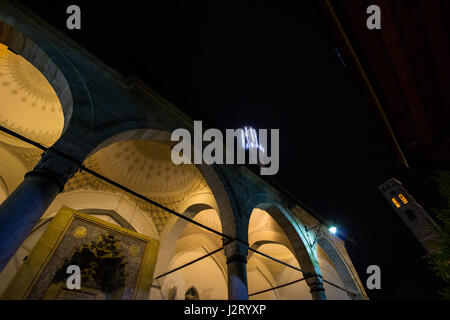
point(146, 167)
point(29, 105)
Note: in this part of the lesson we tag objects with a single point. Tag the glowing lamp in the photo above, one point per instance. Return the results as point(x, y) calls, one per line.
point(250, 139)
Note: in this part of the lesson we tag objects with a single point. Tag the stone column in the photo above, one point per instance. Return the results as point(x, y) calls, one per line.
point(22, 210)
point(236, 254)
point(316, 288)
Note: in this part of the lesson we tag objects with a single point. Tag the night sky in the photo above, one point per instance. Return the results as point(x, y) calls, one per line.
point(271, 65)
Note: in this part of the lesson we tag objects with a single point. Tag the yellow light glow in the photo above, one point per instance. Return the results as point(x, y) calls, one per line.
point(397, 204)
point(403, 199)
point(29, 104)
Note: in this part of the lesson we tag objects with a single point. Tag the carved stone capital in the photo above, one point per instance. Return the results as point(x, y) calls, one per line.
point(55, 167)
point(236, 251)
point(315, 284)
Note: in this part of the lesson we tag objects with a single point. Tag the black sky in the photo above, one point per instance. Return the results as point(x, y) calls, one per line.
point(268, 64)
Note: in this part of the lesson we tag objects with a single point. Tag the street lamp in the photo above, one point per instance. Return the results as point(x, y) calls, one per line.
point(333, 230)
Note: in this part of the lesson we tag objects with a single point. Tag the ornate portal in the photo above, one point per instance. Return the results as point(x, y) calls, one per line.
point(115, 263)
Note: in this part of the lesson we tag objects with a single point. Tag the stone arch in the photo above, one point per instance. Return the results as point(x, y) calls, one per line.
point(287, 274)
point(196, 244)
point(292, 227)
point(277, 239)
point(224, 203)
point(51, 63)
point(296, 291)
point(264, 272)
point(204, 241)
point(206, 275)
point(172, 232)
point(104, 200)
point(345, 270)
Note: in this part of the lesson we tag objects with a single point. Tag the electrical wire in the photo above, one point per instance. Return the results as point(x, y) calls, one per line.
point(140, 196)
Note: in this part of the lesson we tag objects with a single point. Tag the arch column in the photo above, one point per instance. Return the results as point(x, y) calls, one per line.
point(21, 211)
point(236, 254)
point(317, 290)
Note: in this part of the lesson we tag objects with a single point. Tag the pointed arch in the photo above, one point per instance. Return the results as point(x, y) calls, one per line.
point(211, 174)
point(51, 62)
point(342, 264)
point(292, 227)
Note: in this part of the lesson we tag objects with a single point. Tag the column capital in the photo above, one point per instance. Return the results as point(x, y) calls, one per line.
point(315, 284)
point(56, 167)
point(316, 287)
point(314, 281)
point(236, 251)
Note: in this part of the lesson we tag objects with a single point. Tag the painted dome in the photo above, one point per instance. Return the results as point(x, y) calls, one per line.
point(29, 105)
point(147, 167)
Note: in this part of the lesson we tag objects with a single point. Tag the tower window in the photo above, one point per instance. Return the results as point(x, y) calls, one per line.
point(410, 214)
point(396, 203)
point(403, 199)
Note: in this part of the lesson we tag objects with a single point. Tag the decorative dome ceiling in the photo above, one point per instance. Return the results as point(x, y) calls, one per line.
point(29, 105)
point(147, 168)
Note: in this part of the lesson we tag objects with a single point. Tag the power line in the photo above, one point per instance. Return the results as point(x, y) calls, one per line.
point(278, 287)
point(156, 204)
point(190, 263)
point(140, 196)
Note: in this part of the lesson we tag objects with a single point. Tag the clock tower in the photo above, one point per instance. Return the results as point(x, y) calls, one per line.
point(411, 212)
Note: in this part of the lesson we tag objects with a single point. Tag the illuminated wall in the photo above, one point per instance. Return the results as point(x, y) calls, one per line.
point(29, 106)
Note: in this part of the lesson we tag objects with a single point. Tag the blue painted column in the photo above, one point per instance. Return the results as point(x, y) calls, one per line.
point(236, 254)
point(23, 209)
